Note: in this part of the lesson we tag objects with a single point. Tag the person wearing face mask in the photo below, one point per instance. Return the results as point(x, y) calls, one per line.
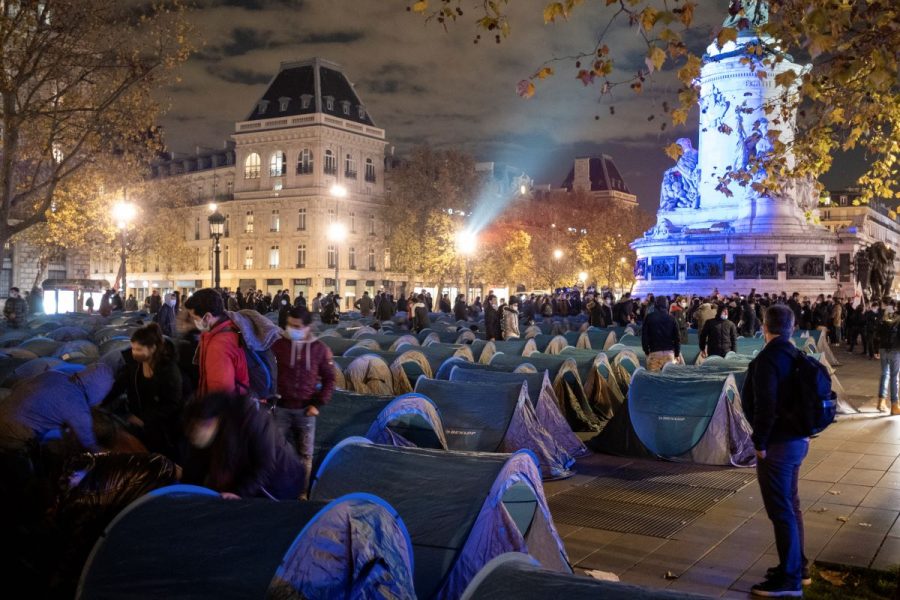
point(888, 343)
point(220, 359)
point(719, 335)
point(236, 450)
point(165, 316)
point(15, 310)
point(151, 380)
point(679, 313)
point(305, 383)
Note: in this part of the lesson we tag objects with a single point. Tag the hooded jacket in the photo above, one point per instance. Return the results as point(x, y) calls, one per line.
point(221, 360)
point(509, 322)
point(305, 373)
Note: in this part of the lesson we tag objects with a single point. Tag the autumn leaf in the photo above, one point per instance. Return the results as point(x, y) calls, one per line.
point(679, 116)
point(544, 73)
point(525, 89)
point(648, 18)
point(687, 13)
point(554, 10)
point(586, 77)
point(690, 70)
point(674, 151)
point(726, 34)
point(655, 58)
point(420, 6)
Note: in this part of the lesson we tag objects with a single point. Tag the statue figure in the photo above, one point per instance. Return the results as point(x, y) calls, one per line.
point(681, 183)
point(747, 14)
point(877, 277)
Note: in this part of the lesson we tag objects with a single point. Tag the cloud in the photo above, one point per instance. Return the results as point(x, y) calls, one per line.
point(333, 37)
point(239, 76)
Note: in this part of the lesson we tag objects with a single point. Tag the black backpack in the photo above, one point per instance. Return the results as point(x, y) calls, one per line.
point(814, 390)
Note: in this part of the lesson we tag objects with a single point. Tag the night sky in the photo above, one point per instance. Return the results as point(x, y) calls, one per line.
point(423, 85)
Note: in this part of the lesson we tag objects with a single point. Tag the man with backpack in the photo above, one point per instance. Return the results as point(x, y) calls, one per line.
point(779, 416)
point(305, 382)
point(888, 346)
point(220, 358)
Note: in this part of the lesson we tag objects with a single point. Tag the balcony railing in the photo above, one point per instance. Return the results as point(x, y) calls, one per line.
point(350, 174)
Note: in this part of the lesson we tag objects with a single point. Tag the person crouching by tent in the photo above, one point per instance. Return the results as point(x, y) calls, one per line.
point(151, 380)
point(305, 382)
point(236, 450)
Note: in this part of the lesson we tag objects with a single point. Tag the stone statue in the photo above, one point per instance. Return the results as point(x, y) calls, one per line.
point(747, 14)
point(681, 183)
point(875, 270)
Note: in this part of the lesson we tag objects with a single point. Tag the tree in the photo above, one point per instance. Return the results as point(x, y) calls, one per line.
point(848, 99)
point(507, 258)
point(76, 102)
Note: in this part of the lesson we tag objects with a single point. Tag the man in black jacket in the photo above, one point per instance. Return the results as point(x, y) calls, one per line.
point(774, 410)
point(718, 336)
point(660, 338)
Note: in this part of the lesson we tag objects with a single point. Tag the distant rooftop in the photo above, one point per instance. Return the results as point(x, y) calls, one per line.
point(603, 174)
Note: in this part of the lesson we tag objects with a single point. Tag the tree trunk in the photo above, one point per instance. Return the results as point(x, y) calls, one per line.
point(43, 262)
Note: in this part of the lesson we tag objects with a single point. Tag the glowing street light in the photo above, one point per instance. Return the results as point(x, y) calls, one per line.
point(523, 189)
point(336, 232)
point(558, 254)
point(123, 213)
point(338, 191)
point(466, 242)
point(582, 277)
point(212, 207)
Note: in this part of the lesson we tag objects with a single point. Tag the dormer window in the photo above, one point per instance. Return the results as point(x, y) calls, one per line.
point(263, 106)
point(346, 106)
point(362, 111)
point(283, 103)
point(305, 101)
point(329, 102)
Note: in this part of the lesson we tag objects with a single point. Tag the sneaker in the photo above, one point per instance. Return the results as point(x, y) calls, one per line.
point(776, 588)
point(805, 577)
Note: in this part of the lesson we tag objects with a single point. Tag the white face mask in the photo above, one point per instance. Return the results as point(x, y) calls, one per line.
point(204, 433)
point(724, 316)
point(171, 303)
point(201, 324)
point(296, 334)
point(888, 310)
point(283, 302)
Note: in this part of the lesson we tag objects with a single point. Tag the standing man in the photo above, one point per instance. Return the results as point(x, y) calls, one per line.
point(220, 358)
point(364, 305)
point(774, 410)
point(16, 309)
point(718, 336)
point(888, 345)
point(660, 337)
point(166, 316)
point(155, 302)
point(317, 304)
point(305, 382)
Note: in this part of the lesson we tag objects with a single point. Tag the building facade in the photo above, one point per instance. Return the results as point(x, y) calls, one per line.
point(307, 156)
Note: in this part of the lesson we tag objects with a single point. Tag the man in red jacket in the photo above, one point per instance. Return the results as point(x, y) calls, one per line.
point(222, 363)
point(305, 382)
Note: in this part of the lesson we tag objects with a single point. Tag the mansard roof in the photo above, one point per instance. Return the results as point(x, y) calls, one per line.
point(305, 87)
point(604, 176)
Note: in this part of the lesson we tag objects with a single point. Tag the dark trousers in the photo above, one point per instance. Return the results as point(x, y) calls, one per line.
point(778, 475)
point(300, 432)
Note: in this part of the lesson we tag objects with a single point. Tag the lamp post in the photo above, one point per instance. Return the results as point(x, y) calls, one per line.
point(216, 229)
point(336, 234)
point(466, 243)
point(123, 214)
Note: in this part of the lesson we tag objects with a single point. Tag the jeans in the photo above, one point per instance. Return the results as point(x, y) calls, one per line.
point(890, 374)
point(300, 432)
point(778, 474)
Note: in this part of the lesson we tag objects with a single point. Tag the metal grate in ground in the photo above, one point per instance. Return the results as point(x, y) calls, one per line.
point(648, 497)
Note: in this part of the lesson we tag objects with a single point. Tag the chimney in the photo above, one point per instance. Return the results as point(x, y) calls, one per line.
point(582, 179)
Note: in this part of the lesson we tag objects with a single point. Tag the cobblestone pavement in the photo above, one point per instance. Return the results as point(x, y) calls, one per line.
point(850, 489)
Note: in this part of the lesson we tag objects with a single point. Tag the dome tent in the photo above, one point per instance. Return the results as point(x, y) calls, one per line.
point(353, 547)
point(461, 508)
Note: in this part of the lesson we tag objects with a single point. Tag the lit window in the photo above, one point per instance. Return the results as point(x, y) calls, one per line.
point(248, 222)
point(305, 101)
point(301, 256)
point(252, 166)
point(329, 102)
point(352, 222)
point(330, 216)
point(283, 103)
point(276, 222)
point(301, 219)
point(277, 164)
point(371, 259)
point(350, 167)
point(274, 257)
point(248, 257)
point(345, 105)
point(351, 257)
point(330, 163)
point(370, 170)
point(305, 162)
point(331, 257)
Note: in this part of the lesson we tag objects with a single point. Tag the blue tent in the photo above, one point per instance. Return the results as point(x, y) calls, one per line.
point(494, 417)
point(462, 508)
point(186, 542)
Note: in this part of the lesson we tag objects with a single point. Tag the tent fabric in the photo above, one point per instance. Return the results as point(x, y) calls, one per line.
point(346, 415)
point(77, 349)
point(353, 547)
point(692, 417)
point(459, 507)
point(406, 366)
point(495, 417)
point(540, 392)
point(596, 339)
point(68, 333)
point(337, 345)
point(37, 366)
point(369, 374)
point(409, 420)
point(517, 575)
point(41, 346)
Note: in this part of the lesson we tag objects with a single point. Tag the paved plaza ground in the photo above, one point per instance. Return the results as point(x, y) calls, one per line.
point(850, 489)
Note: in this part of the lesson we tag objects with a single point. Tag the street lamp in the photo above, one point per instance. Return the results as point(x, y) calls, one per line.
point(338, 191)
point(336, 234)
point(123, 213)
point(466, 243)
point(216, 229)
point(558, 254)
point(582, 277)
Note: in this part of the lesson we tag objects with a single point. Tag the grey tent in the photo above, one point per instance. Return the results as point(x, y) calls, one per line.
point(517, 575)
point(494, 417)
point(186, 542)
point(461, 508)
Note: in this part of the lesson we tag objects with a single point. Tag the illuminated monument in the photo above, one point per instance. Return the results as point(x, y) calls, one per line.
point(706, 239)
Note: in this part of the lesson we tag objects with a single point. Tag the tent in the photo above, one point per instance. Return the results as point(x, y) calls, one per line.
point(369, 374)
point(186, 542)
point(691, 417)
point(517, 575)
point(596, 338)
point(42, 346)
point(543, 399)
point(482, 351)
point(494, 417)
point(461, 508)
point(550, 344)
point(406, 365)
point(37, 366)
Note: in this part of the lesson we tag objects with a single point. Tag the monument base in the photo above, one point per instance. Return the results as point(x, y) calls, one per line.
point(699, 264)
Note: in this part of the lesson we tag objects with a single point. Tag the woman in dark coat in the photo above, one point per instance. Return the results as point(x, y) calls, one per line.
point(151, 380)
point(460, 308)
point(236, 449)
point(492, 319)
